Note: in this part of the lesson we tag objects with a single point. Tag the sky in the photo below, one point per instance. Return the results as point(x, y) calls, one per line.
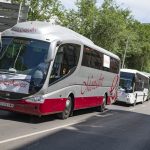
point(140, 8)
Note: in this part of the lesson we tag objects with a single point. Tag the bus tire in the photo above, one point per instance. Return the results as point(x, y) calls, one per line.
point(143, 99)
point(102, 107)
point(135, 100)
point(68, 109)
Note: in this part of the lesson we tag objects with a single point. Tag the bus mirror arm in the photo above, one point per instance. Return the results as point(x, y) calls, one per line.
point(51, 52)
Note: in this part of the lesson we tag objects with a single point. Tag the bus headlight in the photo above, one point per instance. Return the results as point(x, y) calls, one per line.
point(36, 99)
point(128, 97)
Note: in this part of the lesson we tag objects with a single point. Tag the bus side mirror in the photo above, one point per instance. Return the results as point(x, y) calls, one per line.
point(52, 51)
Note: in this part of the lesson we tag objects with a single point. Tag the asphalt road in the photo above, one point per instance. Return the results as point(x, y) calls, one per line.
point(119, 128)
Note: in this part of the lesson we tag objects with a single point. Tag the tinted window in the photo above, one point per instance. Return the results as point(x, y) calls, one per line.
point(141, 82)
point(86, 57)
point(114, 65)
point(139, 85)
point(25, 56)
point(96, 60)
point(22, 54)
point(92, 58)
point(65, 61)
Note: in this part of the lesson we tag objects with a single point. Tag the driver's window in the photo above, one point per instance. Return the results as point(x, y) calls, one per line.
point(65, 61)
point(56, 70)
point(139, 85)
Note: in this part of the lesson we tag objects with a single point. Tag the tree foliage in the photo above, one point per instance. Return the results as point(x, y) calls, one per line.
point(114, 29)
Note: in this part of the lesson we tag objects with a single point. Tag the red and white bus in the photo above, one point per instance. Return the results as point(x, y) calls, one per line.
point(47, 69)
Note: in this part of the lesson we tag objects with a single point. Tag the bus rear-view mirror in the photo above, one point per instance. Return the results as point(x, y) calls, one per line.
point(52, 51)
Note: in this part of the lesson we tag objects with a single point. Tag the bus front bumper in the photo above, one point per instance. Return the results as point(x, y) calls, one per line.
point(50, 106)
point(20, 106)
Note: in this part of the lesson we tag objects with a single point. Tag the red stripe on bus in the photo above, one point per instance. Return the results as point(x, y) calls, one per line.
point(51, 106)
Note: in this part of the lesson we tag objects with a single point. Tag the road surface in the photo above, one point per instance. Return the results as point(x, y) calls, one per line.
point(119, 128)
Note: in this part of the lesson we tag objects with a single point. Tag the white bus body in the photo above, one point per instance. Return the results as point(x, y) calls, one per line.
point(148, 74)
point(77, 73)
point(133, 86)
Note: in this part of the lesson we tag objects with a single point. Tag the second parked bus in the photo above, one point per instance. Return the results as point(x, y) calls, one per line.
point(133, 86)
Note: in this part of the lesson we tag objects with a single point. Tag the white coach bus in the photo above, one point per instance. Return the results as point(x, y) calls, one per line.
point(133, 86)
point(47, 69)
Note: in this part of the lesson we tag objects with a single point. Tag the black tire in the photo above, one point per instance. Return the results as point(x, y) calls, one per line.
point(102, 107)
point(68, 109)
point(135, 100)
point(143, 99)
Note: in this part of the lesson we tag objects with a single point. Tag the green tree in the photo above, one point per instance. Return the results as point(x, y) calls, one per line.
point(43, 10)
point(83, 19)
point(139, 59)
point(112, 28)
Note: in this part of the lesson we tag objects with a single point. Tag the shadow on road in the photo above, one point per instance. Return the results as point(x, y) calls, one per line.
point(35, 119)
point(25, 118)
point(121, 104)
point(114, 130)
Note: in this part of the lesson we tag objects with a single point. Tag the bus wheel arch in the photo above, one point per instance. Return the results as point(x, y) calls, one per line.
point(102, 107)
point(69, 107)
point(73, 103)
point(143, 99)
point(106, 98)
point(135, 100)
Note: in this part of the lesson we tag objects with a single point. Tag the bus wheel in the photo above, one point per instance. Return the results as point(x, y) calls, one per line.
point(143, 99)
point(102, 107)
point(134, 102)
point(67, 111)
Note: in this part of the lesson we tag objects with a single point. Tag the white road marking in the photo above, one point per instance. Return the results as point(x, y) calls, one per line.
point(36, 133)
point(71, 128)
point(131, 109)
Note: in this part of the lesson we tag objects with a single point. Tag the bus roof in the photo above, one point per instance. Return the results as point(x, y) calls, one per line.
point(146, 73)
point(133, 71)
point(32, 29)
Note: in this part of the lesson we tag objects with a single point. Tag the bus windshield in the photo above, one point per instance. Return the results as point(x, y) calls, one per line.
point(27, 57)
point(126, 81)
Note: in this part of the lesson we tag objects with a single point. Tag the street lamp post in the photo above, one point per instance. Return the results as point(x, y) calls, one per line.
point(125, 51)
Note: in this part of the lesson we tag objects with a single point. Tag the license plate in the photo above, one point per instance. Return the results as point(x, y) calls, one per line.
point(6, 104)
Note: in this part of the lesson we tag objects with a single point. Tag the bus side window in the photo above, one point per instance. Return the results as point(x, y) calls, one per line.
point(65, 61)
point(92, 58)
point(114, 65)
point(139, 85)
